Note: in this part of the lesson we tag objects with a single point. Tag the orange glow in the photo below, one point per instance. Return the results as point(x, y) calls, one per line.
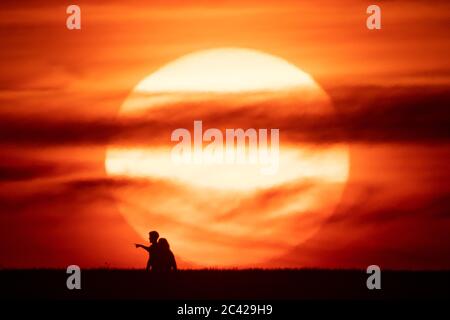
point(225, 70)
point(210, 191)
point(87, 118)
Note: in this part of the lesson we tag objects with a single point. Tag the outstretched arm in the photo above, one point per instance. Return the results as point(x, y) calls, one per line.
point(142, 246)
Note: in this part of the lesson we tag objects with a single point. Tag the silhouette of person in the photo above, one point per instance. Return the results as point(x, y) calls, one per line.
point(165, 260)
point(152, 249)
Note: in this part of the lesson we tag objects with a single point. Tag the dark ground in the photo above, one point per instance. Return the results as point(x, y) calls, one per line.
point(224, 284)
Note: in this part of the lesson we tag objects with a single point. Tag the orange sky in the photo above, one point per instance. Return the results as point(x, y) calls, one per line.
point(60, 92)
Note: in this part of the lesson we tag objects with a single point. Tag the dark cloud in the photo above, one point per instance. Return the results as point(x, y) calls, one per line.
point(364, 114)
point(403, 233)
point(75, 191)
point(372, 210)
point(46, 195)
point(19, 168)
point(397, 114)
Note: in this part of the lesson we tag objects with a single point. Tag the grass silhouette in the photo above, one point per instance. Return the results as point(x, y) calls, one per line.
point(210, 284)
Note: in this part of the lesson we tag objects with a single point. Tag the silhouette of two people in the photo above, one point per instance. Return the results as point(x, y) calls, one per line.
point(160, 257)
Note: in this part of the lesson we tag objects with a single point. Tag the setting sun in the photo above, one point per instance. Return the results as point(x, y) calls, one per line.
point(225, 70)
point(268, 90)
point(241, 144)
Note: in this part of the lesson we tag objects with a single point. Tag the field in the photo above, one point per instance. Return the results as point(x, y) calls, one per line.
point(224, 284)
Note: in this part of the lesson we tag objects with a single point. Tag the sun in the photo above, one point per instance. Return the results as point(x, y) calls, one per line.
point(226, 214)
point(225, 70)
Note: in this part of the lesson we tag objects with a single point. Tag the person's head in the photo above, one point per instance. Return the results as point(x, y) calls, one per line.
point(153, 236)
point(163, 244)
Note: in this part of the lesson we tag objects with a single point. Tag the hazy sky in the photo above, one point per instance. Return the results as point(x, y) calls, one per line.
point(60, 92)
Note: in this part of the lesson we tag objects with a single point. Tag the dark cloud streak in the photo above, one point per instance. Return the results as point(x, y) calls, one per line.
point(364, 115)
